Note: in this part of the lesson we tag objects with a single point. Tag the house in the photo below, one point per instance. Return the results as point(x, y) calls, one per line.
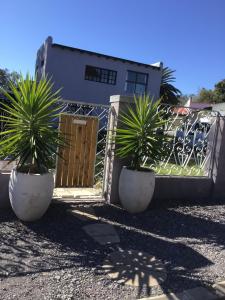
point(93, 77)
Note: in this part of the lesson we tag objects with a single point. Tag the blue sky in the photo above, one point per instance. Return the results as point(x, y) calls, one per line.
point(187, 35)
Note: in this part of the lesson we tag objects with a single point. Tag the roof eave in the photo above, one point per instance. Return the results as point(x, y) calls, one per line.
point(106, 56)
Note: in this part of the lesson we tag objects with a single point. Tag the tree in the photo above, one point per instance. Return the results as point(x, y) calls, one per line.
point(206, 96)
point(168, 92)
point(217, 95)
point(6, 77)
point(219, 91)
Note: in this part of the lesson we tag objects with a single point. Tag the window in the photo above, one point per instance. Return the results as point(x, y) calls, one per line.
point(100, 75)
point(136, 83)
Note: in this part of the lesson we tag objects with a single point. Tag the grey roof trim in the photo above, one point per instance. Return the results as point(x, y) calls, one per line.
point(105, 56)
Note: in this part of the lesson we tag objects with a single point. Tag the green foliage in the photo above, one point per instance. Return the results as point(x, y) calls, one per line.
point(219, 91)
point(30, 135)
point(206, 96)
point(169, 94)
point(6, 77)
point(139, 135)
point(217, 95)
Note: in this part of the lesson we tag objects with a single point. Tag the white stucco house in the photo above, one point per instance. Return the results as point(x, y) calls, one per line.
point(93, 77)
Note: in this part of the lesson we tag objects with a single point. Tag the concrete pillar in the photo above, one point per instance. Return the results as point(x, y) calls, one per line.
point(218, 161)
point(114, 164)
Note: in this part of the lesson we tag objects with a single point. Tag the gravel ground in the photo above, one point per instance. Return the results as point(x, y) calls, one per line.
point(54, 259)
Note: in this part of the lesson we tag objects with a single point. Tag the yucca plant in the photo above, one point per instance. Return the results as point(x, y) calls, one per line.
point(140, 134)
point(30, 136)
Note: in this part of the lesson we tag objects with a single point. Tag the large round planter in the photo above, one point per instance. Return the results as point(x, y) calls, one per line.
point(136, 189)
point(30, 194)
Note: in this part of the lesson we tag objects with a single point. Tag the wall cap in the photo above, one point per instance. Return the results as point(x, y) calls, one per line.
point(121, 99)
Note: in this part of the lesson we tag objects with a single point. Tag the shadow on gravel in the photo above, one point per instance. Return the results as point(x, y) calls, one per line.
point(57, 241)
point(155, 204)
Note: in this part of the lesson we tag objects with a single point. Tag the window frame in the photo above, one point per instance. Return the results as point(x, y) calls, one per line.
point(136, 82)
point(106, 76)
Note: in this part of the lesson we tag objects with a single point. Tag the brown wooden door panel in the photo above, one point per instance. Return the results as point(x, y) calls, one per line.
point(76, 167)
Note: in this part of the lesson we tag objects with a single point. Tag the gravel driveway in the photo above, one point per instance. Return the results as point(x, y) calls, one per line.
point(54, 258)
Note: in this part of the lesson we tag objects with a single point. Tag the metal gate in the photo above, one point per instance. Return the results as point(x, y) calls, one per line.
point(85, 161)
point(75, 166)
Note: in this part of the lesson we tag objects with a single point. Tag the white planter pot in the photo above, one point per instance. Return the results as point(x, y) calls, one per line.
point(30, 194)
point(136, 189)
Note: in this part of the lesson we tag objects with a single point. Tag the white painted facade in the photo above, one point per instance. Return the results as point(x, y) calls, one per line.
point(67, 65)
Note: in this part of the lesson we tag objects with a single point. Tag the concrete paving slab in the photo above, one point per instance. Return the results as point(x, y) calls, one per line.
point(220, 289)
point(102, 233)
point(134, 268)
point(198, 293)
point(76, 193)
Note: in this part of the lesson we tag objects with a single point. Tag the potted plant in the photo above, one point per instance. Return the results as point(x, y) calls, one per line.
point(139, 137)
point(31, 139)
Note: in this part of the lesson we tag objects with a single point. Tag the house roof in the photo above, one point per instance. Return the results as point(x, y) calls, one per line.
point(200, 105)
point(106, 56)
point(184, 110)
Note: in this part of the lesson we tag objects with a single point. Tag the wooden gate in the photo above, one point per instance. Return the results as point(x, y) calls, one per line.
point(76, 167)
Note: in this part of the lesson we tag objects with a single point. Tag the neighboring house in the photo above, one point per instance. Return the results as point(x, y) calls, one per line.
point(93, 77)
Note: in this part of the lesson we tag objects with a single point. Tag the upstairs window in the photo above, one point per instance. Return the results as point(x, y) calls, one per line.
point(136, 83)
point(100, 75)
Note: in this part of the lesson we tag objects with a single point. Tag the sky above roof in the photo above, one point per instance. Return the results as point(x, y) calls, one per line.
point(186, 35)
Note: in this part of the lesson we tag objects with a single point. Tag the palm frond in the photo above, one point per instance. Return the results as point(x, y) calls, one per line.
point(168, 92)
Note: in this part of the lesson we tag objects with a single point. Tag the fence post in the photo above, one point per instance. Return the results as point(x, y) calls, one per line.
point(218, 164)
point(114, 164)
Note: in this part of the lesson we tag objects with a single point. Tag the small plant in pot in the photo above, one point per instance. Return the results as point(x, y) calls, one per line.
point(139, 137)
point(31, 138)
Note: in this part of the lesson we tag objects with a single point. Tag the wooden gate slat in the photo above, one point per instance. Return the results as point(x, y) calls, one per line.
point(92, 155)
point(87, 151)
point(73, 133)
point(77, 155)
point(82, 155)
point(58, 180)
point(65, 162)
point(87, 137)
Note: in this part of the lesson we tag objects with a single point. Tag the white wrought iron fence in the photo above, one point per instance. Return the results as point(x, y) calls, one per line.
point(190, 142)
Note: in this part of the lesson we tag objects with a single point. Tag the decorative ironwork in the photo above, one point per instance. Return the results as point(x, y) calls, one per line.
point(191, 138)
point(190, 142)
point(103, 113)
